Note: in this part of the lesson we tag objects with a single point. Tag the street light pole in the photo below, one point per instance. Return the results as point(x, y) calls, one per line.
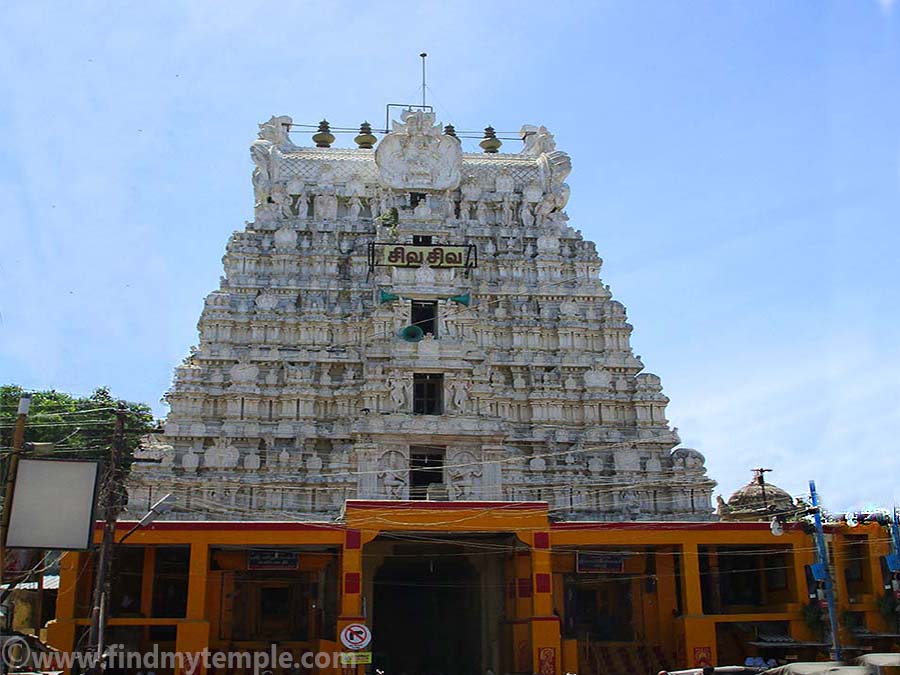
point(18, 443)
point(823, 560)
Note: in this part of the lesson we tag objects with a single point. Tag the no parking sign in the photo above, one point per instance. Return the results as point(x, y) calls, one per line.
point(356, 636)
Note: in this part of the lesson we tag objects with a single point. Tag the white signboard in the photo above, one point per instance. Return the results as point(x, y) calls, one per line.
point(53, 504)
point(356, 636)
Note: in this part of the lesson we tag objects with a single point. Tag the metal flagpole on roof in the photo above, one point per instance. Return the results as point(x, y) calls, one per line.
point(423, 55)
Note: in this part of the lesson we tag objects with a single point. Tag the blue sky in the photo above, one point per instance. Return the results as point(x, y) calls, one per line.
point(737, 163)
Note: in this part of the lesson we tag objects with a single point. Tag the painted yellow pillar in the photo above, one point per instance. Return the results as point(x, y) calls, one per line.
point(149, 571)
point(690, 580)
point(699, 633)
point(351, 589)
point(878, 544)
point(61, 631)
point(523, 608)
point(839, 555)
point(546, 652)
point(351, 584)
point(700, 641)
point(147, 581)
point(804, 555)
point(192, 636)
point(666, 601)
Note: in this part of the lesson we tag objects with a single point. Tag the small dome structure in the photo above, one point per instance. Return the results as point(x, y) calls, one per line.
point(757, 500)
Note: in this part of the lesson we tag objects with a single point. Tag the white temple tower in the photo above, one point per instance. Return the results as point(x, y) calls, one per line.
point(312, 382)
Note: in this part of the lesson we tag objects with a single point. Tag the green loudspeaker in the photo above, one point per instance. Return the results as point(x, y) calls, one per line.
point(411, 334)
point(464, 299)
point(387, 297)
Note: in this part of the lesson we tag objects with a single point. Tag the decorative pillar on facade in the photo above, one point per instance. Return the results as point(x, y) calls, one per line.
point(351, 587)
point(545, 628)
point(522, 592)
point(802, 555)
point(61, 631)
point(366, 461)
point(192, 635)
point(147, 581)
point(715, 602)
point(666, 599)
point(351, 579)
point(492, 478)
point(699, 634)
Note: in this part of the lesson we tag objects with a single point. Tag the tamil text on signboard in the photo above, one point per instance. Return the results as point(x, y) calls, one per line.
point(435, 255)
point(602, 562)
point(272, 559)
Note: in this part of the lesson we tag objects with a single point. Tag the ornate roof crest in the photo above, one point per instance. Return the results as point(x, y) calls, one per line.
point(417, 156)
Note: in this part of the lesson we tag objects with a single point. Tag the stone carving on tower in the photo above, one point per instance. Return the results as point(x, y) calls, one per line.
point(318, 378)
point(416, 156)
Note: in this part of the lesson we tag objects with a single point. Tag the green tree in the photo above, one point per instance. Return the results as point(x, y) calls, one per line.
point(81, 427)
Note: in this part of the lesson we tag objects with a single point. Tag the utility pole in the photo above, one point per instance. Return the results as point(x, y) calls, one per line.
point(822, 550)
point(111, 506)
point(18, 443)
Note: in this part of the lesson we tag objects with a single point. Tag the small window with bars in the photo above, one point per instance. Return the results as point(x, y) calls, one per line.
point(428, 393)
point(424, 315)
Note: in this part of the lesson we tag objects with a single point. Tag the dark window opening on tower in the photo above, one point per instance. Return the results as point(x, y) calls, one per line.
point(415, 198)
point(426, 467)
point(428, 393)
point(422, 240)
point(424, 315)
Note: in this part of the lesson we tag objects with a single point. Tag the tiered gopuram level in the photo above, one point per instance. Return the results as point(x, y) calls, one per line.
point(415, 322)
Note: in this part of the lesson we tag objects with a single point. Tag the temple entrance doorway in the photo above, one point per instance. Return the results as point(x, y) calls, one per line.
point(427, 614)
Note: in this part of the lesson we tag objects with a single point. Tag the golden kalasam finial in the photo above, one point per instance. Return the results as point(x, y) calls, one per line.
point(491, 144)
point(323, 138)
point(366, 140)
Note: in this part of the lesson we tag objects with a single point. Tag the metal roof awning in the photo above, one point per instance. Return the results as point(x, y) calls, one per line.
point(865, 634)
point(782, 641)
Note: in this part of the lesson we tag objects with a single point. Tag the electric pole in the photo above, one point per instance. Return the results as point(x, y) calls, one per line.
point(822, 550)
point(110, 505)
point(18, 442)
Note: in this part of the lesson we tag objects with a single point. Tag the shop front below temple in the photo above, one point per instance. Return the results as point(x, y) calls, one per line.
point(451, 587)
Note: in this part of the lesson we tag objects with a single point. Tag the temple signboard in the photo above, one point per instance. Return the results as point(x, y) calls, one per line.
point(599, 562)
point(432, 255)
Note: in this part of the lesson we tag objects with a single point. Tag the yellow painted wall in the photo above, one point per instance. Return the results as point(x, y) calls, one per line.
point(531, 636)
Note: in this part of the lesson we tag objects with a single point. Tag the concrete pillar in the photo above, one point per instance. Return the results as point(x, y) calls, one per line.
point(699, 633)
point(351, 588)
point(521, 634)
point(700, 641)
point(192, 636)
point(666, 600)
point(492, 478)
point(715, 602)
point(61, 631)
point(367, 454)
point(147, 581)
point(545, 629)
point(692, 599)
